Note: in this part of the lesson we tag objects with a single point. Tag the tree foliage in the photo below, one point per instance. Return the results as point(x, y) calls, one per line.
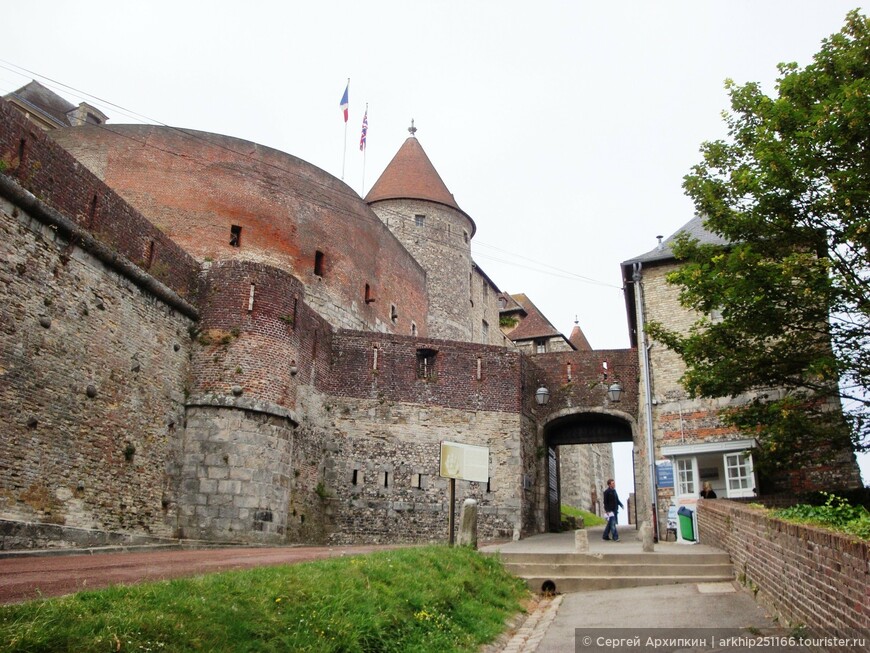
point(790, 189)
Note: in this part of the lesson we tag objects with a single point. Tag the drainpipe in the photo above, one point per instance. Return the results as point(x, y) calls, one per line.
point(644, 348)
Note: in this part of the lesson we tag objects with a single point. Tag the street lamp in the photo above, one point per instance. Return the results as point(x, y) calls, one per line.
point(614, 391)
point(542, 395)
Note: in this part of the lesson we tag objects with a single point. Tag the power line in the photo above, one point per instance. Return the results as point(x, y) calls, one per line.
point(320, 201)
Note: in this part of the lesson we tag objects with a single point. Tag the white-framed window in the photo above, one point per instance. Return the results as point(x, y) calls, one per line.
point(540, 346)
point(739, 479)
point(686, 477)
point(726, 465)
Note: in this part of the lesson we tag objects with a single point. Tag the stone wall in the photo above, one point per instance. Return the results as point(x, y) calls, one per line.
point(381, 480)
point(807, 575)
point(583, 473)
point(441, 243)
point(92, 371)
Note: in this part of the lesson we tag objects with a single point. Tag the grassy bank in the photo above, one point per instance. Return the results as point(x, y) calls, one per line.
point(417, 599)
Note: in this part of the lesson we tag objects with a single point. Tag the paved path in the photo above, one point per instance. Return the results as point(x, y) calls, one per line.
point(551, 627)
point(30, 577)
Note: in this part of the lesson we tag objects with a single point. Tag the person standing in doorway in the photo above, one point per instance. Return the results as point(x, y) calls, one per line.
point(612, 504)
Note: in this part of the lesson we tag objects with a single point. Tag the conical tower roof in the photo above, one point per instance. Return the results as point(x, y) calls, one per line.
point(411, 175)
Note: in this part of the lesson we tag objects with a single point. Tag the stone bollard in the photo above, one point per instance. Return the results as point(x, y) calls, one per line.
point(581, 541)
point(468, 524)
point(646, 537)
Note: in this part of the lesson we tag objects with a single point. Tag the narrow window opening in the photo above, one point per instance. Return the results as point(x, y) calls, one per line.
point(354, 480)
point(419, 219)
point(485, 331)
point(465, 235)
point(479, 368)
point(318, 263)
point(418, 481)
point(92, 211)
point(235, 236)
point(414, 329)
point(569, 371)
point(489, 484)
point(426, 364)
point(251, 299)
point(375, 358)
point(394, 313)
point(385, 479)
point(149, 254)
point(295, 306)
point(22, 144)
point(369, 297)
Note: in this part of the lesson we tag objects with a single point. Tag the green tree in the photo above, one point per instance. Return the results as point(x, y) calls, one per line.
point(789, 189)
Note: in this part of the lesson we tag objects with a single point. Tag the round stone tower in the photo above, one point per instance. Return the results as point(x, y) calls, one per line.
point(414, 203)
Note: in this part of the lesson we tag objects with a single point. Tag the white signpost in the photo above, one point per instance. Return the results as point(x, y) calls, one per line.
point(466, 462)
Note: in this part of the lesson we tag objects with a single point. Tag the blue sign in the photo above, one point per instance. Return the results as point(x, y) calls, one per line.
point(664, 473)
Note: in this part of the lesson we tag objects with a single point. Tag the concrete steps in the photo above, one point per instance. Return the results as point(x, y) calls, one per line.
point(572, 572)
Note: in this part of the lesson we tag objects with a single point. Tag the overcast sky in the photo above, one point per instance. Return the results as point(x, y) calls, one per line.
point(563, 129)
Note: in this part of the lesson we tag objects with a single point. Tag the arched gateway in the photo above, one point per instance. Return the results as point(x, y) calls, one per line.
point(574, 427)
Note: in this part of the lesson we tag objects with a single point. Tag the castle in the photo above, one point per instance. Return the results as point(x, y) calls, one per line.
point(207, 338)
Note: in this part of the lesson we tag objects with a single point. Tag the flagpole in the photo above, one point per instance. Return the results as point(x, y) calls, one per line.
point(365, 151)
point(344, 152)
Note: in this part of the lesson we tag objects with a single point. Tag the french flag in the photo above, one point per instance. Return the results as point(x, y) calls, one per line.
point(344, 103)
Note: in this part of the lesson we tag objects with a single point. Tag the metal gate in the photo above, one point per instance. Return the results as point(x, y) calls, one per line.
point(554, 508)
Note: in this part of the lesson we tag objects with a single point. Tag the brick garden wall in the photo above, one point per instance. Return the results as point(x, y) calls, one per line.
point(807, 575)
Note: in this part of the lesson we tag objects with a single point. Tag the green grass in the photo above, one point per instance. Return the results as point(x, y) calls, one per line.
point(422, 599)
point(589, 518)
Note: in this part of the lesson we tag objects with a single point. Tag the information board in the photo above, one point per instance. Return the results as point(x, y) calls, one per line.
point(664, 473)
point(465, 462)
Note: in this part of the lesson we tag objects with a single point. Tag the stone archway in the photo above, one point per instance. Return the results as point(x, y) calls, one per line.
point(571, 427)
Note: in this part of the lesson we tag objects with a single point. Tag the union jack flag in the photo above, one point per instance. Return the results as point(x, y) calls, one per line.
point(365, 131)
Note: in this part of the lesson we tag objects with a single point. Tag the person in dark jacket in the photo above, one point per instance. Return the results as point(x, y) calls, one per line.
point(708, 492)
point(612, 504)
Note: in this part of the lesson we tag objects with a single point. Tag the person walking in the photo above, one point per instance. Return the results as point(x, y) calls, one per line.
point(612, 504)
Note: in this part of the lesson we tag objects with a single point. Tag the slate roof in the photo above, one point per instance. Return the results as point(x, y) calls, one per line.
point(45, 101)
point(663, 252)
point(534, 325)
point(578, 339)
point(411, 175)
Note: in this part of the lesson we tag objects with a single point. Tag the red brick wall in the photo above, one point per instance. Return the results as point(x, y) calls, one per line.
point(585, 387)
point(455, 385)
point(196, 186)
point(256, 349)
point(808, 575)
point(49, 172)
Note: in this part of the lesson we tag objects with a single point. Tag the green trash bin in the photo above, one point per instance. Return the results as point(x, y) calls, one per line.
point(687, 523)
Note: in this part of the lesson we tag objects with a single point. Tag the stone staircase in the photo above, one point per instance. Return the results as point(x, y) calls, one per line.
point(574, 572)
